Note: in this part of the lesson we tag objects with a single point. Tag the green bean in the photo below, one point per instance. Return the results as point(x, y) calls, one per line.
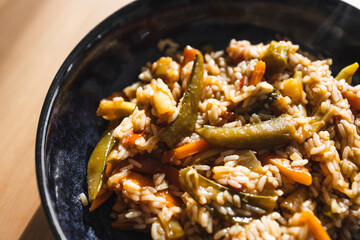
point(267, 134)
point(184, 124)
point(248, 206)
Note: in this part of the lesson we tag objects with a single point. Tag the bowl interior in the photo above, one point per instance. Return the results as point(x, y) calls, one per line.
point(110, 58)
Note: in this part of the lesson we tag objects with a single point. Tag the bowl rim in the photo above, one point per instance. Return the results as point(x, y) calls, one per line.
point(91, 38)
point(95, 35)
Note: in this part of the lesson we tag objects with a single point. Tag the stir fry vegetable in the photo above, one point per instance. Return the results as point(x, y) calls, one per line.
point(294, 200)
point(234, 210)
point(248, 159)
point(184, 151)
point(298, 174)
point(258, 73)
point(189, 54)
point(275, 57)
point(184, 124)
point(173, 229)
point(100, 199)
point(115, 108)
point(262, 135)
point(293, 88)
point(319, 120)
point(353, 99)
point(347, 72)
point(97, 162)
point(314, 225)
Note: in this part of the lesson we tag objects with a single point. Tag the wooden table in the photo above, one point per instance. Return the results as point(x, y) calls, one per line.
point(35, 38)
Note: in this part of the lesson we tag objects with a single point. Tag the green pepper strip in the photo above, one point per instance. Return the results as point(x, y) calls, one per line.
point(255, 204)
point(267, 134)
point(97, 161)
point(347, 72)
point(184, 124)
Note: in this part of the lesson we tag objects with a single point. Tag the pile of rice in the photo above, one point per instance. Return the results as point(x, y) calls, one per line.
point(332, 154)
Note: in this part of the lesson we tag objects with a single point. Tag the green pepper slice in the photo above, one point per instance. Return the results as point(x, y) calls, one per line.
point(347, 72)
point(184, 124)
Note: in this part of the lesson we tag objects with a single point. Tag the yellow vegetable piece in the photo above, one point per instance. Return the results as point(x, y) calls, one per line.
point(166, 69)
point(347, 72)
point(293, 88)
point(163, 103)
point(115, 108)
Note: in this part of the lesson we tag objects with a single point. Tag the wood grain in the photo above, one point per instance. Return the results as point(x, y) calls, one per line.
point(36, 37)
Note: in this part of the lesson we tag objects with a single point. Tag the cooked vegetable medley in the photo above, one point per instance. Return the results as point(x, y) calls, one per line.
point(255, 142)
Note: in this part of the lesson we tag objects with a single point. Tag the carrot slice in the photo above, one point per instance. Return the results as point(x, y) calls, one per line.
point(258, 73)
point(314, 225)
point(353, 99)
point(137, 179)
point(109, 169)
point(189, 54)
point(297, 174)
point(171, 200)
point(99, 200)
point(133, 137)
point(184, 151)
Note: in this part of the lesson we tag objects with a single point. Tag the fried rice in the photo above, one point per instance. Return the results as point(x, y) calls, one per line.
point(322, 150)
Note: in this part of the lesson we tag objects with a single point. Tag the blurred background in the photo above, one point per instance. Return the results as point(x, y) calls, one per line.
point(35, 38)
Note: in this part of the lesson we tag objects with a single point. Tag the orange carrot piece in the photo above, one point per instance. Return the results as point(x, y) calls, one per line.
point(258, 73)
point(189, 54)
point(185, 151)
point(314, 225)
point(171, 200)
point(99, 200)
point(133, 137)
point(172, 175)
point(297, 174)
point(353, 99)
point(142, 181)
point(109, 169)
point(137, 179)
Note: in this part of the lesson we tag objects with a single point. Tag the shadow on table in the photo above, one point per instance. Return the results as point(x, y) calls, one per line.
point(38, 227)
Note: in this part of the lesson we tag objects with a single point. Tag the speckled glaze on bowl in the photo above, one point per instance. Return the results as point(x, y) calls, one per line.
point(110, 57)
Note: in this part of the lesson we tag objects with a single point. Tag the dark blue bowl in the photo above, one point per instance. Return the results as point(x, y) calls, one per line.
point(110, 57)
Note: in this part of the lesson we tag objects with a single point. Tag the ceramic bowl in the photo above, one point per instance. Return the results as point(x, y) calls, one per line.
point(109, 58)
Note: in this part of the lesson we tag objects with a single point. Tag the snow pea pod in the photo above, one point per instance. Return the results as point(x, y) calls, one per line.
point(238, 208)
point(267, 134)
point(97, 161)
point(184, 124)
